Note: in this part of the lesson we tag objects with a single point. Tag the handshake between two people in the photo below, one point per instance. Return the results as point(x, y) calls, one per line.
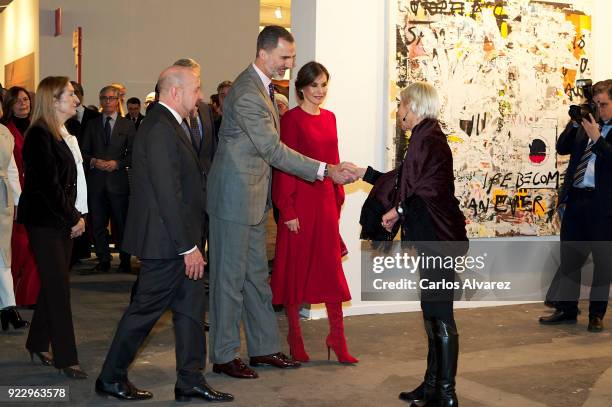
point(345, 172)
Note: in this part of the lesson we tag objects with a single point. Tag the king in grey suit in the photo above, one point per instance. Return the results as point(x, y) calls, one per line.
point(164, 229)
point(239, 197)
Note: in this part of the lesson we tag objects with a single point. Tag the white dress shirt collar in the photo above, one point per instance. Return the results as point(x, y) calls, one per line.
point(264, 78)
point(177, 116)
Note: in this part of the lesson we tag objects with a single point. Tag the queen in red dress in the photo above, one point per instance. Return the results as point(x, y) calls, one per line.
point(307, 264)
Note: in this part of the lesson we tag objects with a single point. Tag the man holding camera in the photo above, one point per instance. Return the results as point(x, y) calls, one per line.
point(585, 200)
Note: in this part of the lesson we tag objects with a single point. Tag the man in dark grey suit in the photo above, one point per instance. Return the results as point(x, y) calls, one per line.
point(239, 187)
point(164, 229)
point(107, 152)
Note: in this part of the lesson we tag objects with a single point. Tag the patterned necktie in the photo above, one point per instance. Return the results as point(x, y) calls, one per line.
point(107, 131)
point(271, 91)
point(582, 165)
point(196, 136)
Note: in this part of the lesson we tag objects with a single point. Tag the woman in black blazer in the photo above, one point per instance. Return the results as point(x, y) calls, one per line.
point(47, 209)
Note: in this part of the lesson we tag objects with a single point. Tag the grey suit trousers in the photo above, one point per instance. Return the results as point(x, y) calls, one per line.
point(239, 289)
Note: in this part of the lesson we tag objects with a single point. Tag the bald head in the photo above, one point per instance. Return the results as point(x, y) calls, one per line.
point(179, 88)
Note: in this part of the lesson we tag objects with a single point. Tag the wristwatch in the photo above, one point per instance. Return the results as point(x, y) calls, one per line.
point(399, 209)
point(326, 171)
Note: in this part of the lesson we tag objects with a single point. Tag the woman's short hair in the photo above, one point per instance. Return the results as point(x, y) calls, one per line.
point(307, 75)
point(422, 100)
point(10, 99)
point(48, 92)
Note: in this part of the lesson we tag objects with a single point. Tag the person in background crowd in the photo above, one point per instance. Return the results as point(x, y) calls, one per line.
point(107, 151)
point(155, 98)
point(83, 116)
point(17, 111)
point(47, 209)
point(134, 115)
point(148, 99)
point(307, 263)
point(214, 105)
point(10, 191)
point(282, 103)
point(223, 89)
point(122, 92)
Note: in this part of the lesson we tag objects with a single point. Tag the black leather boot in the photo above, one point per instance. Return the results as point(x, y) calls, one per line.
point(447, 353)
point(426, 391)
point(11, 316)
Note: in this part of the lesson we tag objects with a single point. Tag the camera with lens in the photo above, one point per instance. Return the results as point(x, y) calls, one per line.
point(579, 112)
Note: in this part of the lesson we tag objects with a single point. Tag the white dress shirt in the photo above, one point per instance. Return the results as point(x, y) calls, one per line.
point(73, 144)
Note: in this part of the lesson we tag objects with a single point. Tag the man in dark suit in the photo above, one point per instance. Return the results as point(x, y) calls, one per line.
point(586, 226)
point(164, 229)
point(107, 150)
point(134, 115)
point(76, 125)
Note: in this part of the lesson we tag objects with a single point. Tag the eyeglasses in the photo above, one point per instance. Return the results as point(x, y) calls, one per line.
point(108, 98)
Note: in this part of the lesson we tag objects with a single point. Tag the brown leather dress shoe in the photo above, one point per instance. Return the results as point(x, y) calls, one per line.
point(236, 368)
point(278, 359)
point(595, 324)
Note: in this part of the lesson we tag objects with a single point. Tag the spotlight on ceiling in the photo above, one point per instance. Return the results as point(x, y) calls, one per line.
point(278, 13)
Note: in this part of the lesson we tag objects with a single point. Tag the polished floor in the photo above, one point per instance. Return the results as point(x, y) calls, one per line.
point(506, 359)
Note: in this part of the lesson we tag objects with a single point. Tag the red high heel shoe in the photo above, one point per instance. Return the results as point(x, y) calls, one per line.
point(336, 340)
point(294, 338)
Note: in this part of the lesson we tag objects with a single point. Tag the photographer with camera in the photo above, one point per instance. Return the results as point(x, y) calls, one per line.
point(584, 201)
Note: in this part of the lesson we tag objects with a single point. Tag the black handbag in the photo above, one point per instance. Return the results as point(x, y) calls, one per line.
point(383, 196)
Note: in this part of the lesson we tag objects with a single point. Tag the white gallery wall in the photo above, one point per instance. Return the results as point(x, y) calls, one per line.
point(350, 38)
point(19, 33)
point(132, 41)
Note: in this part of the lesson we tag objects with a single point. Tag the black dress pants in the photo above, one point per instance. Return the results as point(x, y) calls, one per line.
point(103, 206)
point(162, 285)
point(418, 231)
point(52, 319)
point(584, 231)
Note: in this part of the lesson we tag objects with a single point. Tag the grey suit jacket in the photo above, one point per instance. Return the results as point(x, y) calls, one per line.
point(239, 183)
point(119, 149)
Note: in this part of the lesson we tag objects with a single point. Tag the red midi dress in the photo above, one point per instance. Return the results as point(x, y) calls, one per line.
point(308, 265)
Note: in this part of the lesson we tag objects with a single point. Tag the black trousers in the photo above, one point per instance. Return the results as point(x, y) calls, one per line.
point(583, 231)
point(162, 285)
point(103, 206)
point(437, 300)
point(418, 232)
point(52, 319)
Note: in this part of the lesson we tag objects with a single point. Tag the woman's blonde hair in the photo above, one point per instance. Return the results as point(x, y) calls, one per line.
point(48, 92)
point(422, 99)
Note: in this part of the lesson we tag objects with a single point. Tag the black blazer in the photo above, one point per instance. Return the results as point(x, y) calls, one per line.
point(49, 191)
point(119, 148)
point(166, 210)
point(77, 128)
point(573, 140)
point(138, 120)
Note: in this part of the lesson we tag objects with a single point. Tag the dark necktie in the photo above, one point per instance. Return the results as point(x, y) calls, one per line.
point(271, 91)
point(107, 131)
point(582, 165)
point(196, 136)
point(185, 127)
